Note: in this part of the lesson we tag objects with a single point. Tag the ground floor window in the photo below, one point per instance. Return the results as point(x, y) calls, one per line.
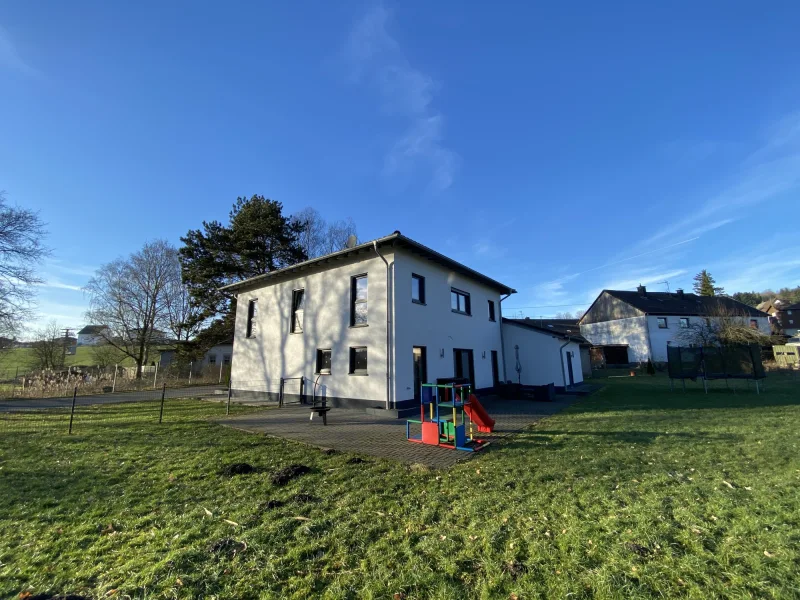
point(212, 359)
point(358, 360)
point(324, 361)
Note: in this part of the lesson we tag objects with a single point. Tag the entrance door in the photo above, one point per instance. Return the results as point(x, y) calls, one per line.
point(495, 369)
point(569, 368)
point(464, 366)
point(420, 370)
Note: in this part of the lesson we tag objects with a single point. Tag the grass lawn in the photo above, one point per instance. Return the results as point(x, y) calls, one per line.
point(633, 492)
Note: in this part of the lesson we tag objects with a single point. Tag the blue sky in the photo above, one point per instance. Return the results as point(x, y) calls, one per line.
point(561, 150)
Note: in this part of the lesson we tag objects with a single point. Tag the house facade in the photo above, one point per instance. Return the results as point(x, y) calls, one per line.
point(91, 335)
point(538, 354)
point(367, 325)
point(784, 317)
point(634, 327)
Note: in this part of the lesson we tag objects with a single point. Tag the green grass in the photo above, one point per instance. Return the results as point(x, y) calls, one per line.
point(632, 493)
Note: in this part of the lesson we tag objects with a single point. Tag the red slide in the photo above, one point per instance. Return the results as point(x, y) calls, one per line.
point(479, 415)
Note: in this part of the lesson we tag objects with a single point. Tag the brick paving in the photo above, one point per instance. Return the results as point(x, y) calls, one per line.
point(357, 432)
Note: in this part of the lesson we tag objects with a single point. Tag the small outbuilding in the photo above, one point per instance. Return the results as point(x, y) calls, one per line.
point(538, 353)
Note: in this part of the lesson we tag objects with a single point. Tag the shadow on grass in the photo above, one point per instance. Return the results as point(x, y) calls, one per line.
point(551, 438)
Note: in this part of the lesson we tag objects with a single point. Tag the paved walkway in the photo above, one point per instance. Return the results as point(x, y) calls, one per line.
point(357, 432)
point(26, 404)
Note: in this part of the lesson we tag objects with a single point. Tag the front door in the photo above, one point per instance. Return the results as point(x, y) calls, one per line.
point(569, 368)
point(495, 369)
point(420, 371)
point(464, 367)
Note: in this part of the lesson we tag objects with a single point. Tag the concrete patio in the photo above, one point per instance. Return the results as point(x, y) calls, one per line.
point(357, 432)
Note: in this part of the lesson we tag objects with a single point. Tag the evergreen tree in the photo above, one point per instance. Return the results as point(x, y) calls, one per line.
point(750, 298)
point(704, 285)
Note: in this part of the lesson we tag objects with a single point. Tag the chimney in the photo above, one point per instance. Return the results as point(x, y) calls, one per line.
point(642, 290)
point(679, 293)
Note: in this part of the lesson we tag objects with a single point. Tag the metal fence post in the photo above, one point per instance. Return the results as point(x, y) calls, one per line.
point(114, 384)
point(72, 412)
point(228, 405)
point(280, 394)
point(163, 393)
point(191, 364)
point(14, 387)
point(302, 390)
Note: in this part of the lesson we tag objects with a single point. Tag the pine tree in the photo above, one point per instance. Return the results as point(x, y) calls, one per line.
point(704, 285)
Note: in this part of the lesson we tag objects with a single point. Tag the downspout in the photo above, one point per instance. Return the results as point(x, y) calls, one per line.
point(561, 355)
point(502, 342)
point(388, 327)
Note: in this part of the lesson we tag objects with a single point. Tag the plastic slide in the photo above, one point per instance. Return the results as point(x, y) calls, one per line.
point(479, 415)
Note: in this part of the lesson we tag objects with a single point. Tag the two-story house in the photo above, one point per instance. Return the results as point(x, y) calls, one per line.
point(785, 318)
point(636, 326)
point(367, 325)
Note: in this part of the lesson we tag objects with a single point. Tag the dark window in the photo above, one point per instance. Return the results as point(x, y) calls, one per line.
point(491, 310)
point(358, 361)
point(754, 323)
point(358, 300)
point(662, 322)
point(459, 302)
point(298, 297)
point(417, 289)
point(324, 361)
point(684, 323)
point(226, 359)
point(252, 315)
point(212, 359)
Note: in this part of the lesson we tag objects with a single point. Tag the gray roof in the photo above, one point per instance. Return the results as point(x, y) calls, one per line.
point(673, 303)
point(563, 328)
point(92, 329)
point(396, 239)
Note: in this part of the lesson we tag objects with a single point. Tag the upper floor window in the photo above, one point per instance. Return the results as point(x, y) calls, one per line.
point(417, 289)
point(491, 311)
point(212, 359)
point(252, 315)
point(754, 323)
point(459, 302)
point(684, 323)
point(788, 312)
point(358, 300)
point(226, 359)
point(298, 298)
point(662, 322)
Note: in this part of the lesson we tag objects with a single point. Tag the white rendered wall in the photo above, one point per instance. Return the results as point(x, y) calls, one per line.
point(539, 357)
point(660, 337)
point(631, 332)
point(440, 330)
point(274, 352)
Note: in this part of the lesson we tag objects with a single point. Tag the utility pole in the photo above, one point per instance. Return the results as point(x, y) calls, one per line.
point(64, 340)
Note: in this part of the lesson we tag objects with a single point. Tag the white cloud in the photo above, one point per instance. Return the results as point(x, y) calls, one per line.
point(58, 285)
point(376, 58)
point(10, 58)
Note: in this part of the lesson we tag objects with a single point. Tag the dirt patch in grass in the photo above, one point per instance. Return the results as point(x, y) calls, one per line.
point(237, 469)
point(227, 547)
point(303, 498)
point(356, 460)
point(286, 474)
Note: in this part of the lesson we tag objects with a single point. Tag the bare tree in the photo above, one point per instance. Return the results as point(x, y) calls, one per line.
point(106, 355)
point(319, 237)
point(183, 315)
point(722, 326)
point(21, 249)
point(48, 347)
point(564, 315)
point(130, 296)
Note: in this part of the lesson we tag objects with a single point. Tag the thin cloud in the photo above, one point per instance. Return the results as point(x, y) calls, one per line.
point(60, 286)
point(376, 59)
point(10, 58)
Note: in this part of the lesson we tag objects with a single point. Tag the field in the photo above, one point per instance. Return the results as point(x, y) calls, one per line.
point(634, 492)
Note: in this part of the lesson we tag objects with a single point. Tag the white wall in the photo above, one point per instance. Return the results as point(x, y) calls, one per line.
point(539, 356)
point(274, 352)
point(436, 327)
point(631, 332)
point(88, 339)
point(660, 337)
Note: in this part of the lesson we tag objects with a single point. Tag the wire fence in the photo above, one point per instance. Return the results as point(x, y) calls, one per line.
point(76, 412)
point(51, 383)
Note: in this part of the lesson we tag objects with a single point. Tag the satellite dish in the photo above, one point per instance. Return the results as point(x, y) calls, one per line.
point(352, 240)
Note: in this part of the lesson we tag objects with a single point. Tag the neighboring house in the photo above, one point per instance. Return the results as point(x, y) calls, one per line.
point(538, 354)
point(367, 325)
point(632, 327)
point(216, 356)
point(785, 318)
point(91, 335)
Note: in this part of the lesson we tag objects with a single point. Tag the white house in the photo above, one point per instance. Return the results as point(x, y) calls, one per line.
point(91, 335)
point(538, 355)
point(367, 325)
point(633, 327)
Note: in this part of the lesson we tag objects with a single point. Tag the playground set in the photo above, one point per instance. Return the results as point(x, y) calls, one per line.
point(452, 414)
point(715, 362)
